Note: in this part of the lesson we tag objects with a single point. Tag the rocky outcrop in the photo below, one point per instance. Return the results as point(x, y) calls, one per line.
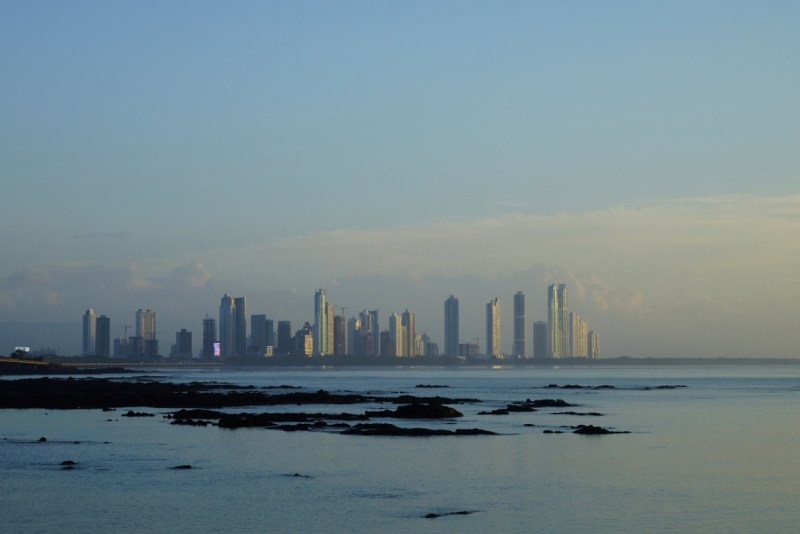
point(418, 411)
point(385, 429)
point(594, 430)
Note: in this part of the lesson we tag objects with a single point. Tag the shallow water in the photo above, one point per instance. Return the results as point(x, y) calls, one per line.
point(720, 455)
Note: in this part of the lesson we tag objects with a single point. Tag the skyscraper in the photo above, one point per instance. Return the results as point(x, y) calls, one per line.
point(240, 328)
point(557, 321)
point(493, 328)
point(258, 332)
point(146, 324)
point(520, 344)
point(339, 336)
point(89, 325)
point(330, 313)
point(102, 340)
point(183, 344)
point(285, 339)
point(397, 336)
point(227, 327)
point(593, 345)
point(320, 323)
point(375, 333)
point(353, 330)
point(209, 337)
point(451, 326)
point(540, 339)
point(409, 345)
point(577, 336)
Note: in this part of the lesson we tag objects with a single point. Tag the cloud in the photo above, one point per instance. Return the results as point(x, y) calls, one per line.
point(193, 274)
point(5, 300)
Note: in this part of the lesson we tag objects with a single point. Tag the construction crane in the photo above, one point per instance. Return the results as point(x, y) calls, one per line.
point(125, 326)
point(343, 308)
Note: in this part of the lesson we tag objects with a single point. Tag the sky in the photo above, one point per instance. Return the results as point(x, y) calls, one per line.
point(158, 155)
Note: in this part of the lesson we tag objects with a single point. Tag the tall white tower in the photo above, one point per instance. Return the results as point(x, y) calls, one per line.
point(227, 327)
point(493, 328)
point(320, 323)
point(520, 345)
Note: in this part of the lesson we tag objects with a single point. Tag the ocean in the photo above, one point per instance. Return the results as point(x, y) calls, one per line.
point(719, 455)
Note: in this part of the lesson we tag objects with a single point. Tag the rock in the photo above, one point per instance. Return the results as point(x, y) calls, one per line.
point(185, 466)
point(69, 462)
point(197, 414)
point(67, 467)
point(605, 386)
point(595, 414)
point(499, 411)
point(550, 403)
point(552, 432)
point(528, 424)
point(430, 386)
point(131, 413)
point(385, 429)
point(418, 411)
point(434, 516)
point(42, 439)
point(520, 408)
point(594, 430)
point(107, 409)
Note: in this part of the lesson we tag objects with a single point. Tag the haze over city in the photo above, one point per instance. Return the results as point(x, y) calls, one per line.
point(646, 155)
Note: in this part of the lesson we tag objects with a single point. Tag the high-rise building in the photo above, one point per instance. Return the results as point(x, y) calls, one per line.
point(577, 336)
point(409, 346)
point(451, 326)
point(304, 341)
point(102, 340)
point(330, 315)
point(557, 321)
point(520, 341)
point(369, 333)
point(259, 333)
point(493, 328)
point(353, 330)
point(320, 323)
point(120, 347)
point(339, 336)
point(593, 345)
point(209, 337)
point(540, 339)
point(385, 343)
point(227, 327)
point(146, 324)
point(183, 344)
point(397, 336)
point(285, 339)
point(240, 329)
point(89, 325)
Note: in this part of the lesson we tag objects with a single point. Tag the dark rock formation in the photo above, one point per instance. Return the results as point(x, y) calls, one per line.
point(434, 516)
point(605, 386)
point(385, 429)
point(595, 414)
point(263, 420)
point(69, 462)
point(552, 432)
point(594, 430)
point(131, 413)
point(430, 386)
point(499, 411)
point(549, 403)
point(185, 466)
point(42, 439)
point(418, 411)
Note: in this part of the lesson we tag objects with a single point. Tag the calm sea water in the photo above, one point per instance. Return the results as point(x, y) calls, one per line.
point(722, 455)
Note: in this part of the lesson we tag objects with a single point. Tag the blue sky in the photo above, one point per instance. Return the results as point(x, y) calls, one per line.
point(157, 134)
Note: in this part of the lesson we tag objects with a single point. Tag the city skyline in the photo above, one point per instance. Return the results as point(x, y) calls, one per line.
point(358, 335)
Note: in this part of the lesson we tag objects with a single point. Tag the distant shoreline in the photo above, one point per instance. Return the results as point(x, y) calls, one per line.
point(85, 366)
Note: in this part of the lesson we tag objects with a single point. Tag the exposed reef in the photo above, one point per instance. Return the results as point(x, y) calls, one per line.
point(385, 429)
point(418, 411)
point(98, 393)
